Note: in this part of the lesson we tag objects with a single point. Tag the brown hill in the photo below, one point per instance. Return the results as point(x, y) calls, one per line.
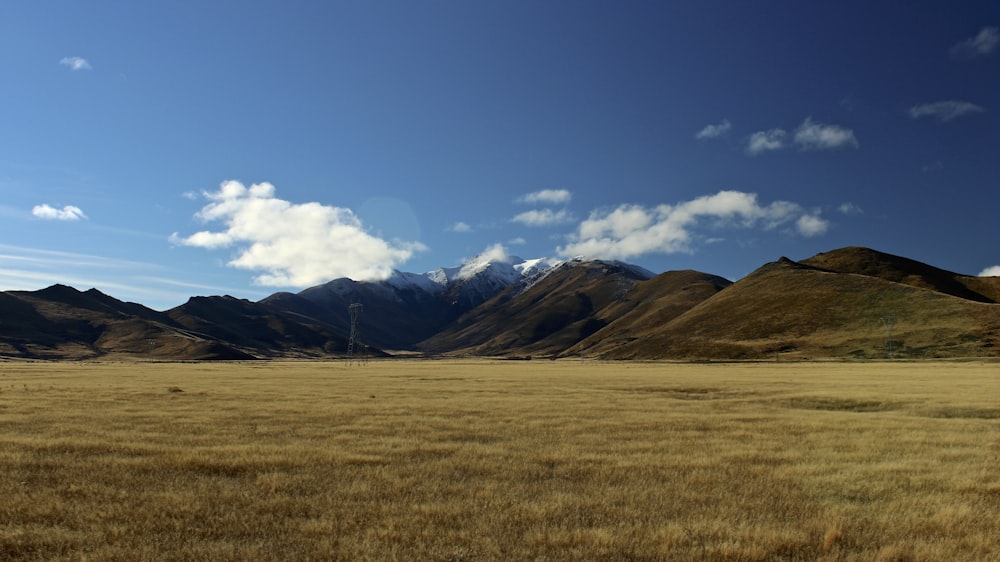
point(546, 316)
point(255, 328)
point(650, 307)
point(60, 322)
point(797, 310)
point(865, 261)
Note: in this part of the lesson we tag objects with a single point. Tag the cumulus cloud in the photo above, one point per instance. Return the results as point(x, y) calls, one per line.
point(75, 63)
point(993, 271)
point(67, 213)
point(819, 136)
point(944, 111)
point(714, 131)
point(766, 141)
point(551, 196)
point(633, 230)
point(983, 43)
point(543, 217)
point(811, 225)
point(293, 245)
point(460, 227)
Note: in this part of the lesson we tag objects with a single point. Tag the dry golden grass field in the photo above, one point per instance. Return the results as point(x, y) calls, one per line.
point(515, 460)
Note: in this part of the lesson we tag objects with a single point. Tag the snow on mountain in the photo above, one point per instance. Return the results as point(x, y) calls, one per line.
point(402, 280)
point(469, 284)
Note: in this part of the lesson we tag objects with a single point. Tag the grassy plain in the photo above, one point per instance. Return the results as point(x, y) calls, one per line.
point(476, 460)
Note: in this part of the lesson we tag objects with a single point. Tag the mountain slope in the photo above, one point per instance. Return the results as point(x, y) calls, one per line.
point(255, 328)
point(60, 322)
point(651, 305)
point(865, 261)
point(544, 314)
point(801, 311)
point(406, 308)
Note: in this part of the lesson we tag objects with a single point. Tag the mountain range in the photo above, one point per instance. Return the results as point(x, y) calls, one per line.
point(850, 303)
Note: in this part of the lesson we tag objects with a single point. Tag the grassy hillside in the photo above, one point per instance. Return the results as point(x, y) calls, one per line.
point(798, 311)
point(651, 305)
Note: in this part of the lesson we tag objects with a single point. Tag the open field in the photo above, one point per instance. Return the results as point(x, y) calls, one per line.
point(516, 460)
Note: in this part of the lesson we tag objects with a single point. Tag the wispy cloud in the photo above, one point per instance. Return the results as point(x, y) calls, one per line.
point(634, 230)
point(819, 136)
point(850, 209)
point(543, 217)
point(25, 268)
point(983, 43)
point(294, 245)
point(551, 196)
point(766, 141)
point(944, 111)
point(67, 213)
point(993, 271)
point(75, 63)
point(714, 131)
point(460, 227)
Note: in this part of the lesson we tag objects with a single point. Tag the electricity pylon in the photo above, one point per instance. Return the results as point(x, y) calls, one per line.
point(355, 311)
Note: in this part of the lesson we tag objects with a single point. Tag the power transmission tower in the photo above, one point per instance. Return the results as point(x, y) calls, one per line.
point(355, 311)
point(888, 322)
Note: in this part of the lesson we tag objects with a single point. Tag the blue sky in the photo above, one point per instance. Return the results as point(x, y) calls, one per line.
point(159, 150)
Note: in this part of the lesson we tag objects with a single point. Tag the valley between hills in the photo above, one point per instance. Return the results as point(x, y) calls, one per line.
point(847, 304)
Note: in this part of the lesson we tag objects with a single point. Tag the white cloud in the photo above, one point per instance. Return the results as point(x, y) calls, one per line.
point(75, 63)
point(543, 217)
point(811, 225)
point(633, 230)
point(460, 227)
point(766, 141)
point(552, 196)
point(493, 254)
point(983, 43)
point(993, 271)
point(294, 245)
point(67, 213)
point(819, 136)
point(944, 111)
point(714, 131)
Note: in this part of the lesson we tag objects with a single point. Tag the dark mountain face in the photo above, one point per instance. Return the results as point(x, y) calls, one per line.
point(541, 315)
point(403, 310)
point(828, 306)
point(60, 322)
point(391, 318)
point(256, 328)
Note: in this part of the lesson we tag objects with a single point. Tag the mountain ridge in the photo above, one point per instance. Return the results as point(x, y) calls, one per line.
point(830, 305)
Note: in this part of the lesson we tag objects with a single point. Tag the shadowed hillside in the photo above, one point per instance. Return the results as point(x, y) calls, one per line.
point(651, 306)
point(865, 261)
point(551, 314)
point(255, 327)
point(60, 322)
